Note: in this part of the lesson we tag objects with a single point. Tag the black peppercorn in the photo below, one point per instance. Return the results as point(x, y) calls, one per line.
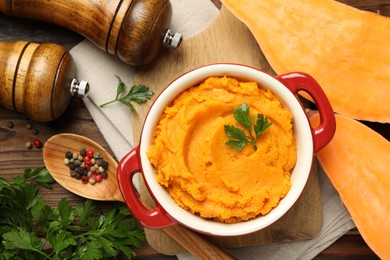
point(69, 155)
point(104, 175)
point(73, 173)
point(79, 170)
point(83, 152)
point(35, 131)
point(72, 166)
point(97, 155)
point(104, 164)
point(99, 162)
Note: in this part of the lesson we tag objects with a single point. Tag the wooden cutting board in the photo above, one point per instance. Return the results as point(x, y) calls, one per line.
point(227, 40)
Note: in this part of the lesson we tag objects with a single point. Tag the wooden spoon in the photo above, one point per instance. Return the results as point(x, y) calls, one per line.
point(108, 190)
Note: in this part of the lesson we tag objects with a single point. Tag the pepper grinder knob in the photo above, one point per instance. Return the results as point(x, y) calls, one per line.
point(172, 40)
point(79, 89)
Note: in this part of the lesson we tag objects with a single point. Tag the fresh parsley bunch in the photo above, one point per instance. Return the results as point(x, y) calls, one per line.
point(31, 229)
point(239, 138)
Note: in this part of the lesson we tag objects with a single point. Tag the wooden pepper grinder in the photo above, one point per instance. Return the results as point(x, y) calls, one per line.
point(132, 30)
point(37, 79)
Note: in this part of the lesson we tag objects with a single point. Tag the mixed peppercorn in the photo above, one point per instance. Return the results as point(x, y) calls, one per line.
point(87, 166)
point(37, 142)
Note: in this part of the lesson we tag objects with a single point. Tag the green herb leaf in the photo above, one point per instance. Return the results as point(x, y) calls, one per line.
point(138, 93)
point(65, 212)
point(121, 86)
point(62, 241)
point(85, 212)
point(241, 114)
point(40, 176)
point(65, 232)
point(261, 125)
point(239, 138)
point(20, 238)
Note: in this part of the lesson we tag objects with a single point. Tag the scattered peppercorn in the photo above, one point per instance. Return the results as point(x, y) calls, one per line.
point(35, 131)
point(10, 124)
point(87, 166)
point(37, 143)
point(29, 126)
point(29, 145)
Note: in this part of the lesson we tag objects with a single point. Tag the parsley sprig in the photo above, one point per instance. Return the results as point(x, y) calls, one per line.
point(138, 93)
point(31, 229)
point(239, 138)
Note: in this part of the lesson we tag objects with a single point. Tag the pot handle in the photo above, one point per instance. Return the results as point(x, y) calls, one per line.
point(299, 81)
point(150, 218)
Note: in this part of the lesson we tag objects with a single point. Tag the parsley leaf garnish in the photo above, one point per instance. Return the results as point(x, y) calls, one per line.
point(137, 93)
point(239, 138)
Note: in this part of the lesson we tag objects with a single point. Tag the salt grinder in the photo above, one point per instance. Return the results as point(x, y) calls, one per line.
point(133, 30)
point(38, 79)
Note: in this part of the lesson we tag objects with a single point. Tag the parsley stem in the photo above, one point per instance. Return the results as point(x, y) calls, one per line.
point(107, 103)
point(42, 253)
point(254, 145)
point(253, 141)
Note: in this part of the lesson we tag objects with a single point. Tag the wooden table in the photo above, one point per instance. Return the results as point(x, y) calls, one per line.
point(15, 157)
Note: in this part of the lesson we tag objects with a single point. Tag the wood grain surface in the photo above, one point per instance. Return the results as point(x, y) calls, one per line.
point(14, 157)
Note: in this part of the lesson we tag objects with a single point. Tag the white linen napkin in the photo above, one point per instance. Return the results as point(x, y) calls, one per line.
point(99, 69)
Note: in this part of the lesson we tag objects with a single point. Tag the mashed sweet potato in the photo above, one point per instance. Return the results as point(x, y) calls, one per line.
point(209, 178)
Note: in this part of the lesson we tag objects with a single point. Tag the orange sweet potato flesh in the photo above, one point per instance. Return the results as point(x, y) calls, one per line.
point(357, 163)
point(343, 48)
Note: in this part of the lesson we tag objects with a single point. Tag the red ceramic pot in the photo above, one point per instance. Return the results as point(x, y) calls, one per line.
point(309, 140)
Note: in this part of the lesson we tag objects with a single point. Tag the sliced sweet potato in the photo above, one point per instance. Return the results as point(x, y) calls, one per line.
point(343, 48)
point(357, 163)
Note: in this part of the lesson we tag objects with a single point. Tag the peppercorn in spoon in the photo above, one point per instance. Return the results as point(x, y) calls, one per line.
point(54, 154)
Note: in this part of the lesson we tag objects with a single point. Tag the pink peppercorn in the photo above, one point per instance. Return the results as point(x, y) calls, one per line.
point(85, 179)
point(87, 165)
point(90, 153)
point(37, 143)
point(98, 178)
